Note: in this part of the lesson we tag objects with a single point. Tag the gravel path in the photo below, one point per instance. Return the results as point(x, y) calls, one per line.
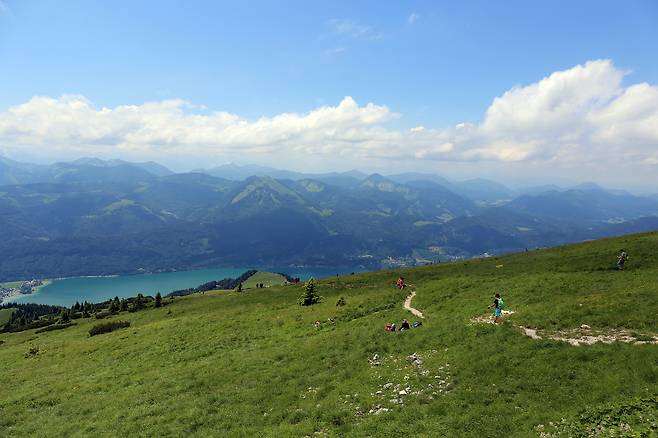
point(407, 303)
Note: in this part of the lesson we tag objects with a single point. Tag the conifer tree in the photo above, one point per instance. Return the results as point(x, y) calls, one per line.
point(114, 305)
point(64, 316)
point(310, 296)
point(158, 300)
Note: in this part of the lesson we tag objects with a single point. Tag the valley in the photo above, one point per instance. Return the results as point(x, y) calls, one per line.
point(95, 217)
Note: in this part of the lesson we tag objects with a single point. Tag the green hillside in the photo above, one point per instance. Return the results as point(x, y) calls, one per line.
point(268, 279)
point(5, 315)
point(253, 364)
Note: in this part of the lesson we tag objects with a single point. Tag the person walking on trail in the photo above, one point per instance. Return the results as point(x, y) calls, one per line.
point(400, 283)
point(497, 304)
point(621, 260)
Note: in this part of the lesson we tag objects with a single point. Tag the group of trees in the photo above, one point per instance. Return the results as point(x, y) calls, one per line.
point(132, 304)
point(224, 284)
point(29, 316)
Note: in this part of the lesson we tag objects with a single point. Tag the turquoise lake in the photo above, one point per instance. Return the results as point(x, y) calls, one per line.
point(66, 291)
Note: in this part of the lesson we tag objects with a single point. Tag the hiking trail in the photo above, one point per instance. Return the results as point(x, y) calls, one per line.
point(584, 335)
point(407, 303)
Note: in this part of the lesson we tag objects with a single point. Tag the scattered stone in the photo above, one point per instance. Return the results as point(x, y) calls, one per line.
point(375, 361)
point(403, 392)
point(380, 410)
point(387, 386)
point(415, 359)
point(585, 327)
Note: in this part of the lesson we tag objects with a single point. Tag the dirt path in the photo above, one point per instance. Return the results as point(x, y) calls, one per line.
point(407, 303)
point(532, 333)
point(585, 336)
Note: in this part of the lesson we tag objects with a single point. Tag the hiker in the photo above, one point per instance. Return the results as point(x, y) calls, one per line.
point(400, 283)
point(498, 304)
point(621, 260)
point(405, 325)
point(317, 324)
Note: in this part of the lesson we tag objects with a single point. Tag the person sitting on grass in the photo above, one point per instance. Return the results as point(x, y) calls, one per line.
point(400, 283)
point(405, 325)
point(498, 308)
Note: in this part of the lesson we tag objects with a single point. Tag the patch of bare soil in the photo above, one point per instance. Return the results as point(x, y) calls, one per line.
point(489, 319)
point(585, 335)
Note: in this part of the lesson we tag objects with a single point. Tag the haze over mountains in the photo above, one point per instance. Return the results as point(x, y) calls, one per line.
point(93, 217)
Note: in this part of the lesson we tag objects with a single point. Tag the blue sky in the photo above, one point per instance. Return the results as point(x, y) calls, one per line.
point(430, 64)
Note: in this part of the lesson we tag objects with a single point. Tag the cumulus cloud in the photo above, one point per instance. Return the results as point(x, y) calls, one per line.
point(577, 117)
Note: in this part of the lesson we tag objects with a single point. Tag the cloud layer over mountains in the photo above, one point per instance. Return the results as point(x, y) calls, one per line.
point(584, 116)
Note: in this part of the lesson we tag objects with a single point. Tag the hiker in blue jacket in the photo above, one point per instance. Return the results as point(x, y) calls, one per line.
point(497, 304)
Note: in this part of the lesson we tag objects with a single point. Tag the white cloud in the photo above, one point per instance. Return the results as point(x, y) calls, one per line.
point(353, 29)
point(413, 18)
point(334, 51)
point(580, 117)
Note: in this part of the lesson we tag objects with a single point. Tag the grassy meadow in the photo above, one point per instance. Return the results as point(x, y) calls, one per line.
point(252, 364)
point(268, 279)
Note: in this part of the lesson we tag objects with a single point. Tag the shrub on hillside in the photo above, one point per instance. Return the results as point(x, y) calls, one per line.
point(108, 327)
point(341, 302)
point(54, 327)
point(28, 325)
point(102, 315)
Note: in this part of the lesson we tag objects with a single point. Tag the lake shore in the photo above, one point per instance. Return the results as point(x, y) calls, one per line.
point(12, 290)
point(94, 289)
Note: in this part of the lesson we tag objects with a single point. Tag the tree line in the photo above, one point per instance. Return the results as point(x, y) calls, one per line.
point(224, 284)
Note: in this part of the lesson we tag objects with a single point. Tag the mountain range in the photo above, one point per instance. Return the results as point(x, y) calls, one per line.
point(96, 217)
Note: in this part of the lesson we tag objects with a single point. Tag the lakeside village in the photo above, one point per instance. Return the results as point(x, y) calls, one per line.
point(24, 288)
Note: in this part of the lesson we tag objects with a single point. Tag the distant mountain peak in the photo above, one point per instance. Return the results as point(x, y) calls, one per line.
point(265, 190)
